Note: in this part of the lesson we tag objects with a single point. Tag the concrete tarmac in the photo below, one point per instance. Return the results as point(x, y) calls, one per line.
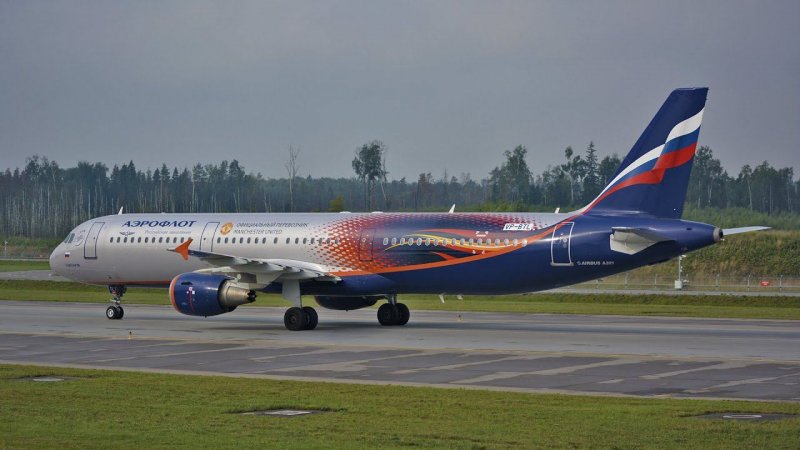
point(600, 355)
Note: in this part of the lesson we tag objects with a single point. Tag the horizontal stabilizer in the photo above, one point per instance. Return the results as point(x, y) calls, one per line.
point(633, 240)
point(730, 231)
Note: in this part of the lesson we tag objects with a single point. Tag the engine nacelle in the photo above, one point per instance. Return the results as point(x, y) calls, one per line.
point(202, 294)
point(346, 303)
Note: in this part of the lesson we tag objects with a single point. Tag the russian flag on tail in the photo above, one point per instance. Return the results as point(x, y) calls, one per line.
point(654, 176)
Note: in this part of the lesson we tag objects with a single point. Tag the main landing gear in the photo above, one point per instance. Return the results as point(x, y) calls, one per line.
point(115, 311)
point(393, 313)
point(300, 318)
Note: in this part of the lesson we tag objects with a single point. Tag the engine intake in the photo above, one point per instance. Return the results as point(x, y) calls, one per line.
point(200, 294)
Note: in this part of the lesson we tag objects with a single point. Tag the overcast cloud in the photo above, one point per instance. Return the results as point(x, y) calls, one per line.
point(445, 85)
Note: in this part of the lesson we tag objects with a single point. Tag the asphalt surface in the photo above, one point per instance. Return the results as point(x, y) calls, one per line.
point(606, 355)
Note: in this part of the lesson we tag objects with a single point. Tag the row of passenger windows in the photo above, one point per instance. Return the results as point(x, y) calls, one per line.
point(320, 241)
point(328, 241)
point(449, 242)
point(146, 240)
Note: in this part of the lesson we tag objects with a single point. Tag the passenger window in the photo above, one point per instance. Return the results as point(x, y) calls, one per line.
point(386, 241)
point(288, 240)
point(218, 240)
point(112, 240)
point(524, 242)
point(497, 241)
point(117, 239)
point(125, 241)
point(516, 242)
point(296, 240)
point(183, 239)
point(226, 240)
point(312, 241)
point(248, 240)
point(471, 241)
point(275, 241)
point(506, 242)
point(304, 240)
point(419, 241)
point(394, 241)
point(480, 241)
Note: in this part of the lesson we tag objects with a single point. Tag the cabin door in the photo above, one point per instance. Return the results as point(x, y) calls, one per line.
point(560, 245)
point(90, 244)
point(365, 244)
point(207, 239)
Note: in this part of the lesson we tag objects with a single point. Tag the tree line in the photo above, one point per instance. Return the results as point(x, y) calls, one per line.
point(44, 200)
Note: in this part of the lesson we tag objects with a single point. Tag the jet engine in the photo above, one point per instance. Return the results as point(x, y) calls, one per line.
point(201, 294)
point(347, 303)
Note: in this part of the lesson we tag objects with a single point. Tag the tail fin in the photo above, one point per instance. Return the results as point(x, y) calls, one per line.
point(654, 176)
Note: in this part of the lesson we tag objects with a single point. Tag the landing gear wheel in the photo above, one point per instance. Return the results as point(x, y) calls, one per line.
point(311, 317)
point(114, 312)
point(295, 319)
point(403, 314)
point(387, 314)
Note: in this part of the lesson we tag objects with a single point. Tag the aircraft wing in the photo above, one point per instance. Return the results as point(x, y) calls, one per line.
point(257, 272)
point(631, 240)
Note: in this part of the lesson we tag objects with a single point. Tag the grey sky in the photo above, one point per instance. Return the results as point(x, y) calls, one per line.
point(446, 85)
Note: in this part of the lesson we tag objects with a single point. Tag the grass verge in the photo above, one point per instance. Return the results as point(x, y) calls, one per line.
point(12, 265)
point(718, 306)
point(138, 410)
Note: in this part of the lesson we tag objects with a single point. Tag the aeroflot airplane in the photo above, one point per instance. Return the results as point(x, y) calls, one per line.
point(213, 263)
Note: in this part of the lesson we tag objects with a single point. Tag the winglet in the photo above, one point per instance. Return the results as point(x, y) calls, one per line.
point(183, 249)
point(452, 209)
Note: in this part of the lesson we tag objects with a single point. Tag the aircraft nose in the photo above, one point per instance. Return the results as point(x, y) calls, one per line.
point(55, 261)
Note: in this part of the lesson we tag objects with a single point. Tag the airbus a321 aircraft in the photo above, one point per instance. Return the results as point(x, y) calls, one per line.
point(213, 263)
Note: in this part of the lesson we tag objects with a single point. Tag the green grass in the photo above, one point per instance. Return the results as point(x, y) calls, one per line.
point(139, 410)
point(608, 303)
point(15, 265)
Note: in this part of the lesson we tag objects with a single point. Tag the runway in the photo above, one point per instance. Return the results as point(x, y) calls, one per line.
point(605, 355)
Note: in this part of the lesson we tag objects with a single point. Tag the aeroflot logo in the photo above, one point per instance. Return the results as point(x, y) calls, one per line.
point(159, 223)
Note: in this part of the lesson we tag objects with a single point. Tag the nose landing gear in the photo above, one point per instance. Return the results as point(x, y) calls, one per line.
point(115, 311)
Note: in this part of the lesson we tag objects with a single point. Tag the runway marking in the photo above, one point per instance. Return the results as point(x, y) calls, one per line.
point(557, 371)
point(719, 366)
point(741, 382)
point(463, 365)
point(349, 366)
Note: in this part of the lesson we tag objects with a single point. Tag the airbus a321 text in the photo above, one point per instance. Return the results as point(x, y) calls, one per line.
point(213, 263)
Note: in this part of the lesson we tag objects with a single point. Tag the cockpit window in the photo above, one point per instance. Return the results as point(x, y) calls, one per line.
point(69, 238)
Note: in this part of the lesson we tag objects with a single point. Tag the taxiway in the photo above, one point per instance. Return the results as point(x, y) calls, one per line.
point(605, 355)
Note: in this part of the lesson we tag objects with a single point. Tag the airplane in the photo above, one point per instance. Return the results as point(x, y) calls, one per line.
point(213, 263)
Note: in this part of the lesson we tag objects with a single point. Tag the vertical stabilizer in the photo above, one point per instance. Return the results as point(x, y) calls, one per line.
point(654, 176)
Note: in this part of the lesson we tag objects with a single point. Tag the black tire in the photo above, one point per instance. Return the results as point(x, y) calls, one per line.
point(403, 314)
point(121, 313)
point(311, 317)
point(112, 312)
point(295, 319)
point(387, 314)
